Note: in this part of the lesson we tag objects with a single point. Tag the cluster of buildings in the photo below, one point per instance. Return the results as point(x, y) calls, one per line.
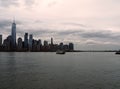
point(30, 44)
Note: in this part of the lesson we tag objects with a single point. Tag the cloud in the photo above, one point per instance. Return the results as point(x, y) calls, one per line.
point(16, 3)
point(52, 3)
point(4, 24)
point(29, 2)
point(74, 24)
point(7, 3)
point(41, 28)
point(91, 37)
point(103, 35)
point(69, 32)
point(37, 33)
point(38, 21)
point(92, 42)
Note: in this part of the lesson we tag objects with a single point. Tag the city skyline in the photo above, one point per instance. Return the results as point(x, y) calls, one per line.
point(90, 24)
point(10, 44)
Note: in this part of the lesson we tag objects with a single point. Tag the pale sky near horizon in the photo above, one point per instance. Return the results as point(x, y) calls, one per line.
point(89, 24)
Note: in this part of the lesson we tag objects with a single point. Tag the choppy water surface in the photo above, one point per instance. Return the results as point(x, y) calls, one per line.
point(52, 71)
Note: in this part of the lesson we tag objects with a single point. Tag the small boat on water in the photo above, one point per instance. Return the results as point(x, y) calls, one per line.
point(60, 52)
point(118, 52)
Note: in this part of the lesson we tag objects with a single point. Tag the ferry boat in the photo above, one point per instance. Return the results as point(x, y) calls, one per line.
point(60, 52)
point(118, 52)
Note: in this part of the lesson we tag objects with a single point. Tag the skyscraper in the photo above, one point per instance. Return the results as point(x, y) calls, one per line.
point(71, 46)
point(26, 40)
point(30, 41)
point(51, 41)
point(20, 45)
point(0, 40)
point(13, 34)
point(45, 43)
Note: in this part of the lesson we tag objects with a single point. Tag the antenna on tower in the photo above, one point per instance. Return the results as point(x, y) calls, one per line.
point(13, 19)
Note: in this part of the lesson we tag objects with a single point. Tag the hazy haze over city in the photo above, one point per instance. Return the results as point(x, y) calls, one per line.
point(89, 24)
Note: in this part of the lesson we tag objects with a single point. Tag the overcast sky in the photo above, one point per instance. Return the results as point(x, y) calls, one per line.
point(89, 24)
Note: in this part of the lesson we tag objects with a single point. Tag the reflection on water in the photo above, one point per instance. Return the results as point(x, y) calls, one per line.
point(51, 71)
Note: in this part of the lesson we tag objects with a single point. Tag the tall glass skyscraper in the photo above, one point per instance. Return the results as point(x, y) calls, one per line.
point(13, 34)
point(30, 41)
point(26, 40)
point(0, 40)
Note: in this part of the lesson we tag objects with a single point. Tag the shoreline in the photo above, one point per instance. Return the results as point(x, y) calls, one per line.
point(69, 51)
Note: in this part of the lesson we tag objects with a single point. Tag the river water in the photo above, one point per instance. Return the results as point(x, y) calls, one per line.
point(36, 70)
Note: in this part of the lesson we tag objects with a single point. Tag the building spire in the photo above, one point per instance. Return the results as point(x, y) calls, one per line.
point(13, 19)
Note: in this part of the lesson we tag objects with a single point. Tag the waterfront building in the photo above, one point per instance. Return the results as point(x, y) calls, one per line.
point(45, 43)
point(61, 46)
point(51, 46)
point(46, 46)
point(26, 41)
point(9, 39)
point(51, 41)
point(71, 46)
point(39, 42)
point(0, 40)
point(30, 41)
point(34, 47)
point(39, 45)
point(66, 47)
point(13, 34)
point(7, 43)
point(20, 44)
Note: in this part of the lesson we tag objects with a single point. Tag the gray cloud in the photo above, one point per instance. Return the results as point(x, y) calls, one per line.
point(75, 24)
point(39, 21)
point(38, 33)
point(7, 3)
point(4, 23)
point(69, 32)
point(101, 35)
point(96, 35)
point(29, 2)
point(7, 23)
point(52, 3)
point(91, 43)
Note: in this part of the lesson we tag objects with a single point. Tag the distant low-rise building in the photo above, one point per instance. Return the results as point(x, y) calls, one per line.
point(61, 46)
point(66, 47)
